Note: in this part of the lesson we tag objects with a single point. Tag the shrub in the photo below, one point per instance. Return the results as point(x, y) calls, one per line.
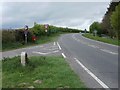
point(13, 36)
point(8, 36)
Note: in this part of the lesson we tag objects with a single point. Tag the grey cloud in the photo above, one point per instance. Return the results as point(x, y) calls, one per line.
point(79, 15)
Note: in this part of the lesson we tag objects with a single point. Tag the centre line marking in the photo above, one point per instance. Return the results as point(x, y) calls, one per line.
point(90, 73)
point(93, 46)
point(107, 51)
point(63, 55)
point(58, 45)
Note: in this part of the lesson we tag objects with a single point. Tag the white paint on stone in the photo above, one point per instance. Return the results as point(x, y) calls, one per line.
point(23, 58)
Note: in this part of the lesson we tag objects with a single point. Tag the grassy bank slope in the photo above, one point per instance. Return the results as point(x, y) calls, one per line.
point(105, 40)
point(41, 72)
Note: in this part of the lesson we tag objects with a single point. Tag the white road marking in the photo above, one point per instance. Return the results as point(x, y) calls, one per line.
point(40, 46)
point(50, 47)
point(73, 36)
point(53, 49)
point(58, 45)
point(90, 73)
point(109, 51)
point(46, 53)
point(63, 55)
point(54, 43)
point(93, 46)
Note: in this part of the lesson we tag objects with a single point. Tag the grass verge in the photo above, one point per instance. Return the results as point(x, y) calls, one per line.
point(105, 40)
point(41, 40)
point(0, 75)
point(41, 72)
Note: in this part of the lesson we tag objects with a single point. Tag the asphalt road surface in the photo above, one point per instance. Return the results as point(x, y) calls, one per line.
point(99, 60)
point(44, 49)
point(96, 63)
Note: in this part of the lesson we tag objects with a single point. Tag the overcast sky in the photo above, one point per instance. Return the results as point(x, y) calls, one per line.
point(66, 14)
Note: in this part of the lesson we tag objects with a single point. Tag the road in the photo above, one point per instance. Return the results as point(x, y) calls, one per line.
point(44, 49)
point(96, 63)
point(99, 58)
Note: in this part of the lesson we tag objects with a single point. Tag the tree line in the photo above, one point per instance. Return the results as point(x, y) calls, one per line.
point(110, 24)
point(38, 30)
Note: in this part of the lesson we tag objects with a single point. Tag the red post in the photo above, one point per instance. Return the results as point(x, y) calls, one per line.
point(34, 38)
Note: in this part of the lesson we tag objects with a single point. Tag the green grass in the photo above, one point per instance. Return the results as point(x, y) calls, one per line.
point(40, 40)
point(0, 75)
point(54, 72)
point(45, 39)
point(106, 40)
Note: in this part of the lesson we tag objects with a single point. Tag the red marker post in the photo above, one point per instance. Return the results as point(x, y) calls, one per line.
point(34, 38)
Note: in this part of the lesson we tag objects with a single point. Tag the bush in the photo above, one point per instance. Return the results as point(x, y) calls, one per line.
point(39, 30)
point(19, 35)
point(8, 36)
point(96, 26)
point(14, 36)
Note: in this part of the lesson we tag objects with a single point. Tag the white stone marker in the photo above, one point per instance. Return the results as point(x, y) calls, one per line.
point(23, 58)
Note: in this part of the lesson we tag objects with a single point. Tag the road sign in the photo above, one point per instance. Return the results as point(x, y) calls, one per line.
point(26, 27)
point(95, 32)
point(46, 30)
point(85, 30)
point(46, 26)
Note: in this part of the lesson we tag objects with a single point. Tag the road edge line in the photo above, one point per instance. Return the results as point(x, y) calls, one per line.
point(63, 55)
point(110, 52)
point(59, 45)
point(91, 74)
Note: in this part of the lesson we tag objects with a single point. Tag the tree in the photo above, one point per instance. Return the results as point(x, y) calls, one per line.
point(106, 25)
point(96, 26)
point(115, 21)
